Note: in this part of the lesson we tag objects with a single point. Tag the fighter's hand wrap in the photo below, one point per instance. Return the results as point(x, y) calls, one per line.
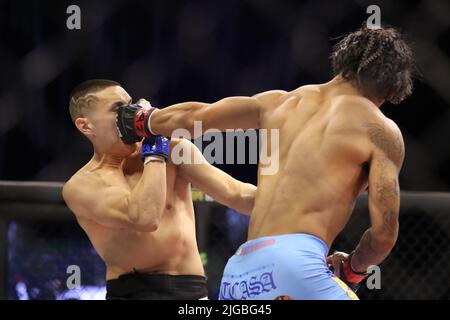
point(352, 278)
point(155, 147)
point(132, 123)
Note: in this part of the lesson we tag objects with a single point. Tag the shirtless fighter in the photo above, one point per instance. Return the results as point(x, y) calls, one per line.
point(335, 142)
point(135, 205)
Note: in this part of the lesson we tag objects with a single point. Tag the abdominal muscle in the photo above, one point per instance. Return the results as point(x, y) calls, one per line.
point(172, 249)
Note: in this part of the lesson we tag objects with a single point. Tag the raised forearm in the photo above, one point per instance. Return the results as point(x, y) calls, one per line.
point(147, 200)
point(222, 187)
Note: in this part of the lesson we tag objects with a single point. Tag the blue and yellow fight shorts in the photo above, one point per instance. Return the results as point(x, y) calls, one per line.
point(291, 266)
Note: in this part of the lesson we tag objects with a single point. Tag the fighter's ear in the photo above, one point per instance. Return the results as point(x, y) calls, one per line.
point(85, 126)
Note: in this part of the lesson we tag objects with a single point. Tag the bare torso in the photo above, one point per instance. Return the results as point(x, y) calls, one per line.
point(323, 164)
point(171, 249)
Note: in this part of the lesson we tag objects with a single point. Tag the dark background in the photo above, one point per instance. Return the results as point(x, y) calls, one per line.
point(173, 51)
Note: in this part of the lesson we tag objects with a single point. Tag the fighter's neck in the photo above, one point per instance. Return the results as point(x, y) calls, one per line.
point(342, 86)
point(109, 160)
point(129, 165)
point(339, 86)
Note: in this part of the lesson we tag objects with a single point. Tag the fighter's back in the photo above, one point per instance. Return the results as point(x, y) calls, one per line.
point(333, 142)
point(324, 152)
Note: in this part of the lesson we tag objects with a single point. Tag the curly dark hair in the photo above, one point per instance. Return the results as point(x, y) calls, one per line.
point(378, 61)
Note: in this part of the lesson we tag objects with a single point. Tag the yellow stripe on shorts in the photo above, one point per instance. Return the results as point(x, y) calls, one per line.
point(344, 287)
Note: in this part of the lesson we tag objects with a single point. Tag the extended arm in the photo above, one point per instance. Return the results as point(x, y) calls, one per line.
point(216, 183)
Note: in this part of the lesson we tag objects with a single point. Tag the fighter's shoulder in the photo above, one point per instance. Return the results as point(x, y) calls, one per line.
point(385, 136)
point(80, 181)
point(271, 97)
point(370, 116)
point(183, 151)
point(180, 144)
point(357, 104)
point(356, 111)
point(176, 141)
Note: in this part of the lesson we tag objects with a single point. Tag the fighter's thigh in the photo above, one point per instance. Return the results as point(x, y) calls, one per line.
point(299, 278)
point(260, 279)
point(248, 279)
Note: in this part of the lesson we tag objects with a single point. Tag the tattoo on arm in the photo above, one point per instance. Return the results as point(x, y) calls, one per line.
point(389, 221)
point(386, 189)
point(389, 142)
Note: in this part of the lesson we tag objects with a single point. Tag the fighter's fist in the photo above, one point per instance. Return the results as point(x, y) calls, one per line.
point(340, 264)
point(132, 121)
point(144, 103)
point(155, 146)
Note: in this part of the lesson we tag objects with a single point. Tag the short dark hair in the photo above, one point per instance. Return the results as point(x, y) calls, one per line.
point(82, 96)
point(378, 61)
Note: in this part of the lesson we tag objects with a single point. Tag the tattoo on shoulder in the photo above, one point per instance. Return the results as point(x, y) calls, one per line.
point(390, 143)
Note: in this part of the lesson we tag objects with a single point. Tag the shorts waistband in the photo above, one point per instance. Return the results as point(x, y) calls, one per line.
point(295, 240)
point(128, 285)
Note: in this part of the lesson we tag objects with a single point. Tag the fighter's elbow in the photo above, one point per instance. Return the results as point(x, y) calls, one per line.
point(147, 220)
point(243, 198)
point(146, 225)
